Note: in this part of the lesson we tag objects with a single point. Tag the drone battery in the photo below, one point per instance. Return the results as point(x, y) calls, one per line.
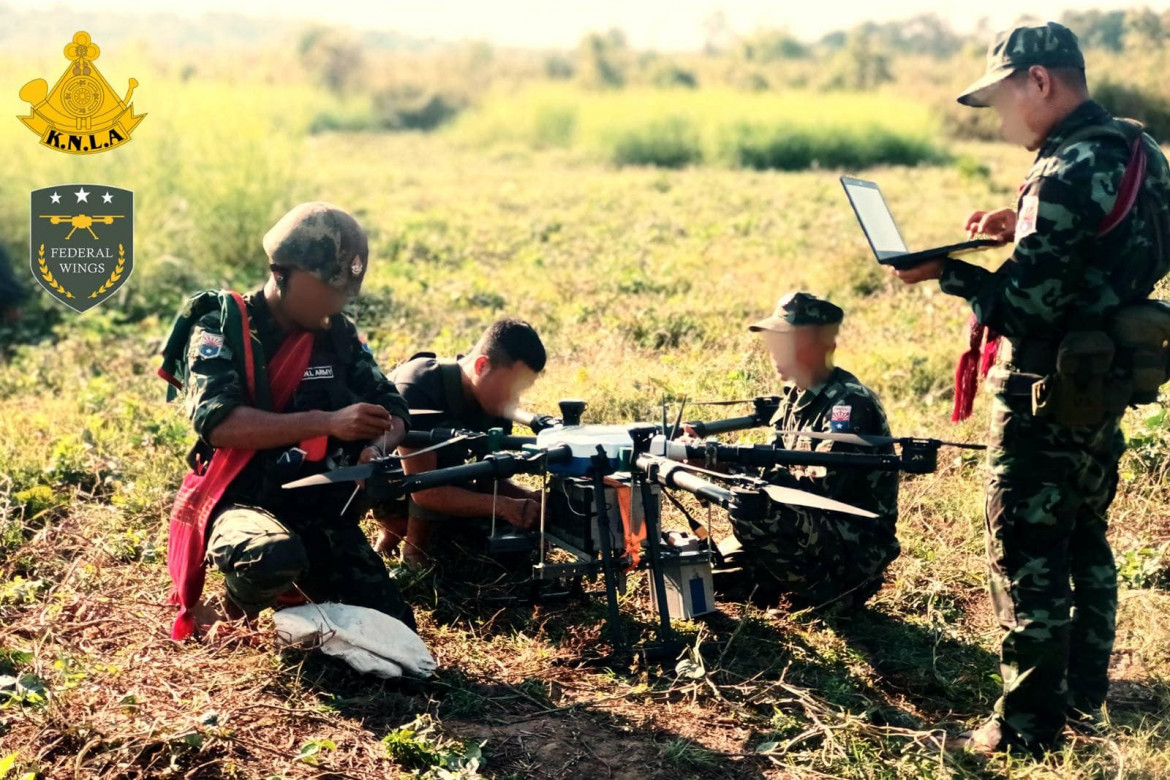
point(572, 516)
point(686, 572)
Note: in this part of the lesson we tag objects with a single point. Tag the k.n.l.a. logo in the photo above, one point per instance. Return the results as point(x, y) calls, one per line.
point(81, 242)
point(318, 372)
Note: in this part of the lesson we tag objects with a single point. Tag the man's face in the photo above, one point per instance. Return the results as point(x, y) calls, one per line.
point(798, 354)
point(1020, 103)
point(309, 302)
point(498, 388)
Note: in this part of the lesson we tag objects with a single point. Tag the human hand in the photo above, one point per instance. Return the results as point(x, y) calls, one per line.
point(360, 421)
point(931, 269)
point(999, 225)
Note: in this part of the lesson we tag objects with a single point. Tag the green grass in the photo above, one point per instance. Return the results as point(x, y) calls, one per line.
point(673, 128)
point(641, 280)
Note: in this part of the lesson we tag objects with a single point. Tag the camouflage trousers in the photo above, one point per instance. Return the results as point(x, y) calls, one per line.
point(261, 558)
point(1051, 573)
point(812, 558)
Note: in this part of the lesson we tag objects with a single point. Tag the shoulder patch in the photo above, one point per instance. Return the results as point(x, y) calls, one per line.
point(1026, 217)
point(840, 419)
point(210, 345)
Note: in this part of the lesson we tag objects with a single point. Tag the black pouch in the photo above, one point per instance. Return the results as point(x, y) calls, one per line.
point(1078, 393)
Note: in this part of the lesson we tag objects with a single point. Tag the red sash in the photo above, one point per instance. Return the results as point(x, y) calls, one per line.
point(200, 493)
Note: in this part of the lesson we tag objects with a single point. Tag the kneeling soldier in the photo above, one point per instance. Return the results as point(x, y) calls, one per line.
point(278, 386)
point(816, 557)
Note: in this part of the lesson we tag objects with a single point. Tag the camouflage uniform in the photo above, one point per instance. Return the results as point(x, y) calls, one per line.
point(815, 556)
point(1050, 484)
point(264, 538)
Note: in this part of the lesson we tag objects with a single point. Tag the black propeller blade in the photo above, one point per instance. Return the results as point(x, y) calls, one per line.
point(867, 440)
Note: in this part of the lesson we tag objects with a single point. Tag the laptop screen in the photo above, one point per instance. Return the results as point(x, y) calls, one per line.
point(875, 217)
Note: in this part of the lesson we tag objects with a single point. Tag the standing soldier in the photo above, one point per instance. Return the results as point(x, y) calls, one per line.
point(1090, 231)
point(816, 557)
point(278, 386)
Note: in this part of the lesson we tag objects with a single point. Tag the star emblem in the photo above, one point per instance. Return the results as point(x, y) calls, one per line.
point(55, 198)
point(107, 198)
point(82, 195)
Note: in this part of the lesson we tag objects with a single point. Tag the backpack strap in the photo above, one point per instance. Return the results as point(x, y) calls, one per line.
point(452, 386)
point(246, 340)
point(1131, 133)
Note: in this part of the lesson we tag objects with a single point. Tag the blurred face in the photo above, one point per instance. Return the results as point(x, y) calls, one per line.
point(498, 388)
point(1023, 103)
point(800, 354)
point(309, 302)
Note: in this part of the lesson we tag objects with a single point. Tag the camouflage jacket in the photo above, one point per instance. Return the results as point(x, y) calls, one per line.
point(842, 404)
point(1061, 273)
point(341, 371)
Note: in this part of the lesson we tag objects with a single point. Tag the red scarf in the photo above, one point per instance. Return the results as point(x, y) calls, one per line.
point(201, 492)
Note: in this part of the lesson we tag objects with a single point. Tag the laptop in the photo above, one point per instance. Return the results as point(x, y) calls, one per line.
point(878, 224)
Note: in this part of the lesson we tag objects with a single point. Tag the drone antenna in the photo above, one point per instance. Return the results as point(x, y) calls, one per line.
point(678, 420)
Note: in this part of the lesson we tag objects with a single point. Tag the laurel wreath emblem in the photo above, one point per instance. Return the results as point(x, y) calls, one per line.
point(47, 275)
point(115, 275)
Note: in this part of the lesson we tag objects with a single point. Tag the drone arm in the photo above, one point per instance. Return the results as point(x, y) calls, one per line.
point(716, 427)
point(671, 474)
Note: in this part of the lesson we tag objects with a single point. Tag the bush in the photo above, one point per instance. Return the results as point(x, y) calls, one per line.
point(775, 147)
point(672, 128)
point(1148, 107)
point(408, 107)
point(670, 142)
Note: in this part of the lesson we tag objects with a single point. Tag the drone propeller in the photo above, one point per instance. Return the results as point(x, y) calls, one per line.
point(366, 470)
point(735, 402)
point(785, 495)
point(866, 440)
point(350, 474)
point(794, 497)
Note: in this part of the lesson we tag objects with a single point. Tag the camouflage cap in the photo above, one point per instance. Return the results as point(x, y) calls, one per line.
point(797, 310)
point(324, 240)
point(1051, 45)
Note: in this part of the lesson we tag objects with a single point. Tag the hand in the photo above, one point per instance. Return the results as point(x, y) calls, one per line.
point(521, 512)
point(370, 453)
point(998, 225)
point(931, 269)
point(393, 436)
point(360, 421)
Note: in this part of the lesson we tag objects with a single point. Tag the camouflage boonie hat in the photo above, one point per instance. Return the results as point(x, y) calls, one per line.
point(797, 310)
point(1051, 45)
point(324, 240)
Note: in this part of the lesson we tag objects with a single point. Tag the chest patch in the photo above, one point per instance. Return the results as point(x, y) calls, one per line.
point(318, 372)
point(210, 344)
point(1026, 218)
point(840, 419)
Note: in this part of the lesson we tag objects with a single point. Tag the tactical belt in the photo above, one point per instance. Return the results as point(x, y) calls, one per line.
point(1031, 361)
point(1034, 356)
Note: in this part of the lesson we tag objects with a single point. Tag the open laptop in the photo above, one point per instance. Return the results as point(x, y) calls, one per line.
point(884, 238)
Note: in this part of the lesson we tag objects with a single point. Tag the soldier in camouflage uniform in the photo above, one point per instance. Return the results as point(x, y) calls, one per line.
point(817, 557)
point(264, 539)
point(1050, 484)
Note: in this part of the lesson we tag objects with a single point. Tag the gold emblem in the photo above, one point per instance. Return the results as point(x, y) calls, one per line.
point(82, 114)
point(357, 265)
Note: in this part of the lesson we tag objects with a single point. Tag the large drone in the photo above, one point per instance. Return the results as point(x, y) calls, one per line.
point(603, 486)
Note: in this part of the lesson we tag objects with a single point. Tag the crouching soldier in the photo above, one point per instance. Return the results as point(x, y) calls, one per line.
point(278, 386)
point(815, 557)
point(477, 391)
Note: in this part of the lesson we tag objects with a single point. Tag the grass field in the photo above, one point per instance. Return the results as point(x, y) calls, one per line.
point(641, 280)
